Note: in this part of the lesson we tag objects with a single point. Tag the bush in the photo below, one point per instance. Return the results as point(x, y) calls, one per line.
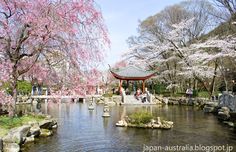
point(141, 117)
point(166, 94)
point(24, 87)
point(107, 95)
point(195, 93)
point(180, 94)
point(159, 88)
point(203, 94)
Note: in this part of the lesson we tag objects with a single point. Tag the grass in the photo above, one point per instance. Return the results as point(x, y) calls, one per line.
point(141, 117)
point(7, 123)
point(203, 94)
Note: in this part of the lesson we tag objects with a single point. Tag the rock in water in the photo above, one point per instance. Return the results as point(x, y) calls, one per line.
point(122, 123)
point(231, 124)
point(1, 145)
point(29, 139)
point(223, 116)
point(208, 109)
point(16, 135)
point(11, 147)
point(47, 124)
point(35, 130)
point(45, 133)
point(54, 126)
point(223, 113)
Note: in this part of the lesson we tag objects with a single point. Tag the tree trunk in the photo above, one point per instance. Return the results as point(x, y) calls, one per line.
point(212, 89)
point(226, 84)
point(223, 71)
point(204, 85)
point(15, 91)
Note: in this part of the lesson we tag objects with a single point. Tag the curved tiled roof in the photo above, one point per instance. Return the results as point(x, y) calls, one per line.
point(132, 73)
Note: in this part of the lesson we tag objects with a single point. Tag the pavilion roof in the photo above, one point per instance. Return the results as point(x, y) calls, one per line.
point(132, 73)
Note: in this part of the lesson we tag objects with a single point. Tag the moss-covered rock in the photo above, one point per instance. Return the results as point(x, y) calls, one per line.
point(16, 135)
point(45, 132)
point(11, 147)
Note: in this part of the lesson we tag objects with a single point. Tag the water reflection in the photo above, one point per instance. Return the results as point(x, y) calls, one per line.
point(83, 130)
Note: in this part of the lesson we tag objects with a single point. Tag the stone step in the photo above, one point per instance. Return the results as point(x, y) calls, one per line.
point(130, 99)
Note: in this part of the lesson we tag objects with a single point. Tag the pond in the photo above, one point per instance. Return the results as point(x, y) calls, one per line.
point(81, 130)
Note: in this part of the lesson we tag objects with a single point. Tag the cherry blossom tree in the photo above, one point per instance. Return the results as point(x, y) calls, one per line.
point(173, 56)
point(218, 50)
point(5, 70)
point(165, 53)
point(164, 39)
point(32, 30)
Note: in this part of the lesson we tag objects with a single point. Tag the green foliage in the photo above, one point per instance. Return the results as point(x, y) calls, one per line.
point(24, 87)
point(159, 88)
point(195, 93)
point(180, 94)
point(3, 132)
point(141, 117)
point(166, 94)
point(6, 87)
point(7, 123)
point(107, 95)
point(203, 94)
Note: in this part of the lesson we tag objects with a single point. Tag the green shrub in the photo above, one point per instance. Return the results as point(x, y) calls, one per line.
point(203, 94)
point(6, 87)
point(166, 94)
point(159, 88)
point(141, 117)
point(181, 94)
point(107, 95)
point(24, 87)
point(195, 93)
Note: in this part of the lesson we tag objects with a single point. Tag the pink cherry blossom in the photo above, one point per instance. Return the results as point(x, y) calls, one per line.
point(35, 32)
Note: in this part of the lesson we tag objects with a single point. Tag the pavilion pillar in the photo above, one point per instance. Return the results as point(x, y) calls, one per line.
point(143, 86)
point(127, 84)
point(120, 85)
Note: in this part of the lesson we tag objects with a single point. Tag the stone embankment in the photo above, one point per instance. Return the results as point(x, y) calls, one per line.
point(180, 101)
point(17, 137)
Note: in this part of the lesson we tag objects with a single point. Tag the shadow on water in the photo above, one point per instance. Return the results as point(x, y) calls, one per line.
point(83, 130)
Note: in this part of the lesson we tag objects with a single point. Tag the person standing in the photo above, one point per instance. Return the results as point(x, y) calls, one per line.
point(189, 92)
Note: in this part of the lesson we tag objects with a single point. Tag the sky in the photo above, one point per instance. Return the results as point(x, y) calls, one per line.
point(122, 18)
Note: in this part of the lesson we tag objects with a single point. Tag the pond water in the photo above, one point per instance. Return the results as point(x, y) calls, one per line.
point(83, 130)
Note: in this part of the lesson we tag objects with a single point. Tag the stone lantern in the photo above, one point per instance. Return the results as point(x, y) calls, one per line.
point(91, 106)
point(106, 110)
